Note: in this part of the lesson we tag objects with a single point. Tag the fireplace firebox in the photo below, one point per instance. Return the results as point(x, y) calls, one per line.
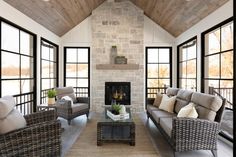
point(117, 91)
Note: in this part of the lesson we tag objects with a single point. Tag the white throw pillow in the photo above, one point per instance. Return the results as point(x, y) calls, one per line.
point(13, 121)
point(188, 111)
point(7, 104)
point(68, 98)
point(167, 103)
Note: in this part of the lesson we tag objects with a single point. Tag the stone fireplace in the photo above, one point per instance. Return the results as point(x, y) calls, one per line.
point(118, 92)
point(118, 23)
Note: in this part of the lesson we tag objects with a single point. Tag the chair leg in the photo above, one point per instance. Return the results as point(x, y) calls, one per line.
point(87, 114)
point(69, 122)
point(214, 152)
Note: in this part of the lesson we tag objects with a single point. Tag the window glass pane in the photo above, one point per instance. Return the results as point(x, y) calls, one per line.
point(82, 83)
point(164, 71)
point(152, 55)
point(82, 70)
point(227, 65)
point(71, 55)
point(164, 82)
point(26, 43)
point(152, 70)
point(46, 84)
point(52, 54)
point(26, 67)
point(71, 82)
point(45, 69)
point(227, 37)
point(26, 86)
point(192, 50)
point(191, 84)
point(53, 83)
point(164, 55)
point(52, 70)
point(184, 53)
point(10, 65)
point(10, 87)
point(191, 69)
point(183, 67)
point(212, 42)
point(213, 63)
point(82, 55)
point(10, 38)
point(71, 70)
point(183, 83)
point(45, 52)
point(152, 82)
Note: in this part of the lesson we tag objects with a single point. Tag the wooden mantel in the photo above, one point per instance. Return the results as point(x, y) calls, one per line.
point(117, 66)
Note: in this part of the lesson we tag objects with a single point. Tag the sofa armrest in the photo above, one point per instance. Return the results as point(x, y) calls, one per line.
point(194, 134)
point(42, 139)
point(39, 117)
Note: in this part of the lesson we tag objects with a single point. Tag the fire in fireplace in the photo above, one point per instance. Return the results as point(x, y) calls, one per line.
point(117, 91)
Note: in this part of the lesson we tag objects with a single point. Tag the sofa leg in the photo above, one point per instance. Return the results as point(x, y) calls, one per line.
point(214, 152)
point(69, 122)
point(87, 114)
point(174, 153)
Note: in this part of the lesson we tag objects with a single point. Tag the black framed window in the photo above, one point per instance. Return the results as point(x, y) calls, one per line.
point(77, 69)
point(217, 69)
point(187, 64)
point(49, 68)
point(158, 70)
point(18, 65)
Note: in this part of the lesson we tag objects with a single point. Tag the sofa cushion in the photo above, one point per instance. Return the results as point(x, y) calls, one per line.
point(172, 91)
point(157, 100)
point(183, 97)
point(7, 104)
point(157, 114)
point(79, 106)
point(150, 108)
point(13, 121)
point(188, 111)
point(206, 105)
point(66, 91)
point(166, 124)
point(167, 103)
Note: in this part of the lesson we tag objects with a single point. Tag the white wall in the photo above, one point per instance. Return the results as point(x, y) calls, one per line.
point(15, 16)
point(221, 14)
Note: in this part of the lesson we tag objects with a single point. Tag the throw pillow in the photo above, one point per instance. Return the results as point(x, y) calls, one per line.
point(157, 100)
point(188, 111)
point(7, 103)
point(167, 103)
point(68, 98)
point(13, 121)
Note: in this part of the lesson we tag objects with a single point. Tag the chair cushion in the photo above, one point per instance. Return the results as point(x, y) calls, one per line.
point(206, 105)
point(13, 121)
point(167, 103)
point(182, 99)
point(166, 124)
point(188, 111)
point(172, 91)
point(79, 106)
point(150, 108)
point(157, 114)
point(66, 91)
point(157, 100)
point(7, 104)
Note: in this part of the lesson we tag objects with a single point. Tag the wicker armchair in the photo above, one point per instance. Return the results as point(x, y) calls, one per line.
point(41, 137)
point(64, 107)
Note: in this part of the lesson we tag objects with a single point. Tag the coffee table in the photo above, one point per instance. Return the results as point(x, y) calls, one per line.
point(115, 131)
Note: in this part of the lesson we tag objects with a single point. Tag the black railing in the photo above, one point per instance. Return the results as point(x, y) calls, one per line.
point(152, 91)
point(226, 93)
point(81, 91)
point(25, 102)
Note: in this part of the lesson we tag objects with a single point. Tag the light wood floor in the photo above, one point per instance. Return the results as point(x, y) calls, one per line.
point(72, 132)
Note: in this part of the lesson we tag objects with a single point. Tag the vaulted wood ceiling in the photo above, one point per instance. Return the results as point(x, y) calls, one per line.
point(60, 16)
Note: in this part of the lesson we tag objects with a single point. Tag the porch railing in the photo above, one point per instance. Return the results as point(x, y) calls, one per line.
point(226, 93)
point(25, 103)
point(152, 91)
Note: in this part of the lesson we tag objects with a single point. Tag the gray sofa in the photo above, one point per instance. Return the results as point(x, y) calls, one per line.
point(185, 134)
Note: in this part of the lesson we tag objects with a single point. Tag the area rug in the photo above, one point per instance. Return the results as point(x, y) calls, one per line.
point(86, 144)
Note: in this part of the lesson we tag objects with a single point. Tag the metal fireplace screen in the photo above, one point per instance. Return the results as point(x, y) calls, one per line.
point(117, 91)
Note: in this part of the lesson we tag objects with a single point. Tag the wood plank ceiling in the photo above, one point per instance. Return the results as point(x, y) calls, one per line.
point(60, 16)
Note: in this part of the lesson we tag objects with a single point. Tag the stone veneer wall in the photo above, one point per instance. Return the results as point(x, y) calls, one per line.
point(121, 24)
